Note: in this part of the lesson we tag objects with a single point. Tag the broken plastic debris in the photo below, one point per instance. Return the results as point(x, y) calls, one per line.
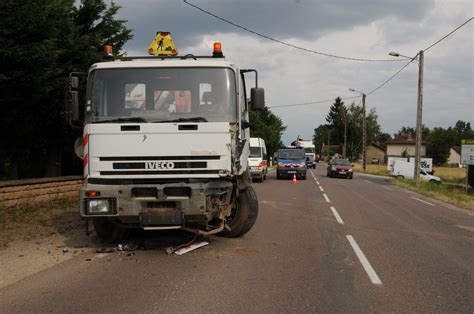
point(105, 250)
point(191, 247)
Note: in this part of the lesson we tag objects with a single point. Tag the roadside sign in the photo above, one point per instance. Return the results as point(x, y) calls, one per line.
point(467, 154)
point(163, 45)
point(425, 163)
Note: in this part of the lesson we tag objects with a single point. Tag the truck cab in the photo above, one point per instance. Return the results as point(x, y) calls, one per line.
point(166, 146)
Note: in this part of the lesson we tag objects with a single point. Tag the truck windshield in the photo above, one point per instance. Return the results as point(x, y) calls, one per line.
point(161, 95)
point(309, 150)
point(291, 154)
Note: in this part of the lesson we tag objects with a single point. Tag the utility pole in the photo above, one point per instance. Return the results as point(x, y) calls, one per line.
point(364, 136)
point(329, 132)
point(419, 123)
point(345, 134)
point(364, 131)
point(419, 112)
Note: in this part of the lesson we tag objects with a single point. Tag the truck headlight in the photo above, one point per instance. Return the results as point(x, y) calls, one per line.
point(100, 206)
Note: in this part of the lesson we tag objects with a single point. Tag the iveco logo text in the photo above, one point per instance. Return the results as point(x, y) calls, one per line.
point(159, 165)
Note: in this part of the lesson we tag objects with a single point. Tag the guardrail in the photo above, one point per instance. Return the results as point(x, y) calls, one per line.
point(33, 191)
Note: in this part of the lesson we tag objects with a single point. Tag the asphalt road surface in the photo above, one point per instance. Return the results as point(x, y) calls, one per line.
point(321, 245)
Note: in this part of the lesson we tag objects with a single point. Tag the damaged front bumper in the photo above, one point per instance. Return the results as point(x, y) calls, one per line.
point(158, 206)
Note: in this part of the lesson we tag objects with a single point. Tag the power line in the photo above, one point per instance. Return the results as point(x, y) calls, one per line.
point(283, 42)
point(390, 78)
point(313, 102)
point(449, 34)
point(411, 60)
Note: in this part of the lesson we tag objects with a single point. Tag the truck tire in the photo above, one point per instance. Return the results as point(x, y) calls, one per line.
point(110, 232)
point(245, 215)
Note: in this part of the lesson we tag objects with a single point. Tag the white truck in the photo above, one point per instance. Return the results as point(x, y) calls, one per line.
point(309, 148)
point(404, 169)
point(166, 144)
point(258, 159)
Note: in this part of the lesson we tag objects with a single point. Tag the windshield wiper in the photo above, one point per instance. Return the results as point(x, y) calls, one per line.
point(193, 119)
point(118, 120)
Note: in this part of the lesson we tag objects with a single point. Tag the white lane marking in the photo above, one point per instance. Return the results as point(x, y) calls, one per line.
point(387, 188)
point(326, 198)
point(364, 261)
point(368, 181)
point(321, 188)
point(336, 214)
point(420, 200)
point(317, 182)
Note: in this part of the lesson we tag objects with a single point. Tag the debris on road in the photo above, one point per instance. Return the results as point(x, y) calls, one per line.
point(191, 247)
point(105, 250)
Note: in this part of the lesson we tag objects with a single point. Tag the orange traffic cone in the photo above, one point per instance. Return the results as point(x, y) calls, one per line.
point(294, 179)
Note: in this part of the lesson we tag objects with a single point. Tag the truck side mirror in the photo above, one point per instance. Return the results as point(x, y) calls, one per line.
point(74, 82)
point(257, 97)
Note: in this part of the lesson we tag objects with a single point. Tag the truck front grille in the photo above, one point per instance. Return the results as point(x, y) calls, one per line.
point(146, 172)
point(141, 158)
point(176, 165)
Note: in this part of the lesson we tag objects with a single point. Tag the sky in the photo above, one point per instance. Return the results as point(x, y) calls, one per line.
point(366, 29)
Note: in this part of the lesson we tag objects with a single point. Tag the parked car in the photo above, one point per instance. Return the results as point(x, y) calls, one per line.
point(340, 168)
point(310, 162)
point(291, 161)
point(375, 161)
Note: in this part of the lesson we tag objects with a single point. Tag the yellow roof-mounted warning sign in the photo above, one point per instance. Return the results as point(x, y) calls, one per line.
point(163, 45)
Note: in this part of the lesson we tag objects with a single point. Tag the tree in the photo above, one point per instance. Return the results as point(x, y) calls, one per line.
point(382, 139)
point(463, 131)
point(41, 42)
point(439, 143)
point(268, 126)
point(335, 128)
point(320, 137)
point(335, 119)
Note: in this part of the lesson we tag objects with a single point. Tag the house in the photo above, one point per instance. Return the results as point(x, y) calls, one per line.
point(404, 146)
point(454, 156)
point(375, 151)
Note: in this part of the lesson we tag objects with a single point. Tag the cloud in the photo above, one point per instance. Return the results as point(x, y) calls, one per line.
point(363, 29)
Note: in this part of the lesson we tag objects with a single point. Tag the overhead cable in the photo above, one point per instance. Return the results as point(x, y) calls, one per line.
point(449, 34)
point(283, 42)
point(313, 102)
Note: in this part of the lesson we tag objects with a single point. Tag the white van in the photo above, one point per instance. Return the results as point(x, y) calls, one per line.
point(404, 169)
point(258, 159)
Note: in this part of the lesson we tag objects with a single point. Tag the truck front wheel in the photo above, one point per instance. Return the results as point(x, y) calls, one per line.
point(244, 215)
point(110, 232)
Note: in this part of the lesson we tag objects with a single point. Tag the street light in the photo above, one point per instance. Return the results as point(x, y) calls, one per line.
point(364, 135)
point(419, 111)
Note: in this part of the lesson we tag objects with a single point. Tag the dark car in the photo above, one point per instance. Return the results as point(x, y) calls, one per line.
point(291, 161)
point(310, 162)
point(340, 168)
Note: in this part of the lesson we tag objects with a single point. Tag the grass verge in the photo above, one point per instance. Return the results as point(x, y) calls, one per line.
point(447, 193)
point(38, 221)
point(379, 170)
